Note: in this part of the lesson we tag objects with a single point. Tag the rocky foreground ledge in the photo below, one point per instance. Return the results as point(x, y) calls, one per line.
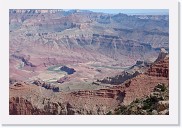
point(30, 99)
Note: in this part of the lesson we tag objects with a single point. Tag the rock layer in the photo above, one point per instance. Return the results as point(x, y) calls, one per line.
point(31, 99)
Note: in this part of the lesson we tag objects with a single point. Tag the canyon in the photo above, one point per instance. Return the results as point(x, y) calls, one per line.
point(80, 62)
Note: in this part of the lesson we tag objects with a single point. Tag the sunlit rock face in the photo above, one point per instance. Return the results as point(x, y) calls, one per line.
point(83, 62)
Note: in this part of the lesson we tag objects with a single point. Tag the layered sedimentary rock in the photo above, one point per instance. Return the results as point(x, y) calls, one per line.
point(160, 69)
point(163, 54)
point(104, 93)
point(91, 46)
point(157, 103)
point(161, 66)
point(31, 99)
point(20, 106)
point(63, 79)
point(46, 85)
point(37, 100)
point(144, 83)
point(119, 79)
point(82, 36)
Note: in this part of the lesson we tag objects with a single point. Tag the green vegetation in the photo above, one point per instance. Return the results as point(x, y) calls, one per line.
point(149, 105)
point(109, 113)
point(150, 102)
point(121, 110)
point(137, 100)
point(160, 87)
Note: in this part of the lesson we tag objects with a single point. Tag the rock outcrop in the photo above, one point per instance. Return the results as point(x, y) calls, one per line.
point(46, 85)
point(66, 37)
point(79, 39)
point(157, 103)
point(139, 68)
point(68, 70)
point(103, 93)
point(161, 66)
point(160, 69)
point(25, 60)
point(119, 79)
point(20, 106)
point(163, 54)
point(39, 100)
point(32, 100)
point(40, 97)
point(63, 79)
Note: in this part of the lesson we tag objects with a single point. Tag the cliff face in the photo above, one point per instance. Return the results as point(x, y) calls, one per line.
point(30, 99)
point(20, 106)
point(143, 84)
point(160, 69)
point(81, 36)
point(157, 103)
point(161, 66)
point(85, 28)
point(95, 46)
point(103, 93)
point(119, 79)
point(162, 55)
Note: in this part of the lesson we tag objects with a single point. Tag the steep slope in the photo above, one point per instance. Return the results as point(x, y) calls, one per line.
point(30, 99)
point(26, 98)
point(80, 36)
point(84, 62)
point(157, 103)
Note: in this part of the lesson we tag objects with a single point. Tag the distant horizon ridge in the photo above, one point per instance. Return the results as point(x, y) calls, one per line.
point(110, 11)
